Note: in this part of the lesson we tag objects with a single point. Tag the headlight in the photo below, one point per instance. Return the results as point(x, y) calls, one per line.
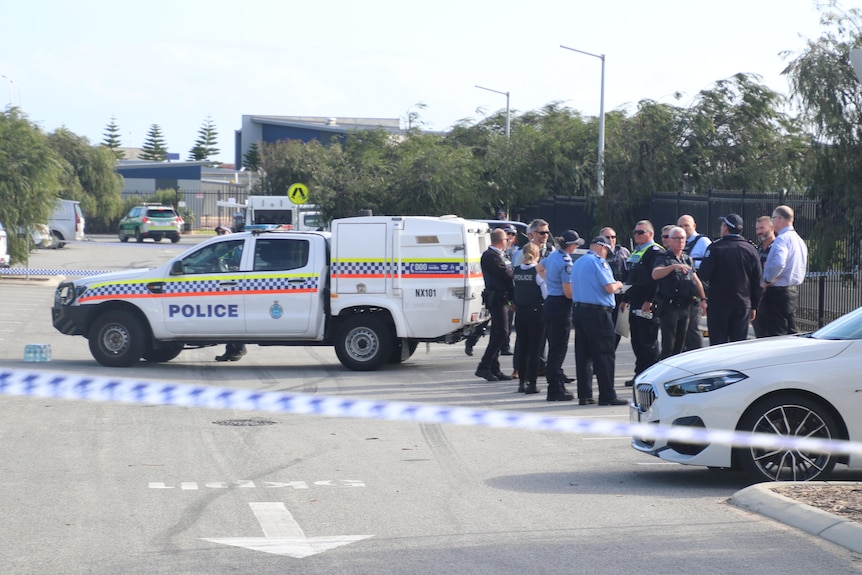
point(703, 382)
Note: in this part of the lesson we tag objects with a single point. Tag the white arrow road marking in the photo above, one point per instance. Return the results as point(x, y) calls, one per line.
point(283, 535)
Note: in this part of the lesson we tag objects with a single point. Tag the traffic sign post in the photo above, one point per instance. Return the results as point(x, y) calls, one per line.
point(298, 194)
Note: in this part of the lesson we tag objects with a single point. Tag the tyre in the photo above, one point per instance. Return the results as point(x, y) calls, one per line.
point(123, 237)
point(789, 416)
point(117, 339)
point(139, 237)
point(398, 348)
point(166, 352)
point(175, 239)
point(363, 343)
point(57, 240)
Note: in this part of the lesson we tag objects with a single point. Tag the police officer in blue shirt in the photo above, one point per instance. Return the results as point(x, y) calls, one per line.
point(593, 288)
point(558, 313)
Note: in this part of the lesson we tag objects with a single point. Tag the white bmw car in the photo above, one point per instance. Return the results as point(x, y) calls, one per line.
point(805, 385)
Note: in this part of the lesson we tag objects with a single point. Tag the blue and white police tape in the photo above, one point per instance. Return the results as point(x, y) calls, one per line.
point(51, 272)
point(75, 387)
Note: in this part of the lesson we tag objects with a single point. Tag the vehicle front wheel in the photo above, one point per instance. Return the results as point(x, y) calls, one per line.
point(363, 343)
point(117, 339)
point(166, 352)
point(123, 237)
point(789, 416)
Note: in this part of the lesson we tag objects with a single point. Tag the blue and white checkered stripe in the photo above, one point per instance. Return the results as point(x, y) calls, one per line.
point(50, 272)
point(74, 387)
point(361, 268)
point(209, 284)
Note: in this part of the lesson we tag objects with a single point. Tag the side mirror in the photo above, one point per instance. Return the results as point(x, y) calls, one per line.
point(177, 268)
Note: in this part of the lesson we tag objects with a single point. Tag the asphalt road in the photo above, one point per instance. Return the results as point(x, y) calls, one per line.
point(102, 488)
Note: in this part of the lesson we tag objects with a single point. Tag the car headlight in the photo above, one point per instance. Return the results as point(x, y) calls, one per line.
point(703, 382)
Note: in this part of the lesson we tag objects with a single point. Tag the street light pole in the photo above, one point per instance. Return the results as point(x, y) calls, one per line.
point(507, 105)
point(600, 163)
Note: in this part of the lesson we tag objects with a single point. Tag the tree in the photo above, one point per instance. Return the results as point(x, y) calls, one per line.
point(112, 139)
point(205, 145)
point(829, 99)
point(154, 148)
point(30, 173)
point(88, 176)
point(251, 159)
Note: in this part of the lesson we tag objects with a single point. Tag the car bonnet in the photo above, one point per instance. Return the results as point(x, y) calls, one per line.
point(758, 353)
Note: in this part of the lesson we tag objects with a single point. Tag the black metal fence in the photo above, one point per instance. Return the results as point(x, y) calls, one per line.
point(825, 294)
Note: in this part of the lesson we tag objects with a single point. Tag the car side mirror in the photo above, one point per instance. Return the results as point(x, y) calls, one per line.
point(177, 268)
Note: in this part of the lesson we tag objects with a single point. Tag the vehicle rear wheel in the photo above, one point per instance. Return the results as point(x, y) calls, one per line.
point(166, 352)
point(57, 240)
point(117, 339)
point(363, 343)
point(139, 237)
point(789, 416)
point(175, 239)
point(398, 350)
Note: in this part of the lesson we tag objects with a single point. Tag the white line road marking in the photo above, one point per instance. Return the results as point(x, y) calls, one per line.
point(247, 484)
point(659, 463)
point(283, 535)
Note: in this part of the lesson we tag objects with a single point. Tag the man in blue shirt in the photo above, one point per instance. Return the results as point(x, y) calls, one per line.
point(593, 289)
point(783, 273)
point(558, 313)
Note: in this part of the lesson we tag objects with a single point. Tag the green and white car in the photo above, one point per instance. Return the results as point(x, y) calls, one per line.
point(153, 221)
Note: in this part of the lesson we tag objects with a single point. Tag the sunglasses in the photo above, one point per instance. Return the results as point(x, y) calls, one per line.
point(611, 237)
point(543, 233)
point(639, 232)
point(664, 237)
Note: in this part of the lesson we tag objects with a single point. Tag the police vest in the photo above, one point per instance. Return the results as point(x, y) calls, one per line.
point(639, 274)
point(527, 291)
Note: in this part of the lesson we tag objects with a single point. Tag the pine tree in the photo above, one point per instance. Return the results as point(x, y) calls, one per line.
point(112, 139)
point(154, 147)
point(205, 145)
point(251, 159)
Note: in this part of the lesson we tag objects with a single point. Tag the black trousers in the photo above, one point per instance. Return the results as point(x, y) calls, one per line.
point(727, 324)
point(693, 336)
point(497, 338)
point(673, 324)
point(530, 329)
point(777, 312)
point(558, 318)
point(595, 344)
point(644, 337)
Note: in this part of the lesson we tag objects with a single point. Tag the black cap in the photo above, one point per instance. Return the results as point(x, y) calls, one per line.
point(732, 221)
point(571, 237)
point(601, 241)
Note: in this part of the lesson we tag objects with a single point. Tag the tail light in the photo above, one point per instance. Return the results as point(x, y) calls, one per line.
point(145, 220)
point(77, 222)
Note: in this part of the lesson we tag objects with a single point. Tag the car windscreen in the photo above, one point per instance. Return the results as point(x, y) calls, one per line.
point(847, 326)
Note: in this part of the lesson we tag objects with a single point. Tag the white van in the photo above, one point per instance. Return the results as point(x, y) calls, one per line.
point(4, 254)
point(67, 223)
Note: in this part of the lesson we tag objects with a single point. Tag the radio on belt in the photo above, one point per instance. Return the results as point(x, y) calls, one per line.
point(373, 287)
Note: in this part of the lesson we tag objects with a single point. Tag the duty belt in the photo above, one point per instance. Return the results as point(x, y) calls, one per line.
point(593, 306)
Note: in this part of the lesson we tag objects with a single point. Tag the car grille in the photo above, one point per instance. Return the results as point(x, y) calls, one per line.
point(644, 396)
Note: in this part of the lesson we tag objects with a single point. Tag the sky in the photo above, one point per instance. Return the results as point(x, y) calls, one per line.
point(178, 63)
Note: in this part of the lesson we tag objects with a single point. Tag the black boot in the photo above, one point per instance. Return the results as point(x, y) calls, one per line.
point(557, 392)
point(521, 387)
point(531, 388)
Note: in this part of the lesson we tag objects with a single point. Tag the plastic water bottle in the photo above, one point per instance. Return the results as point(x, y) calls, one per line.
point(37, 352)
point(642, 313)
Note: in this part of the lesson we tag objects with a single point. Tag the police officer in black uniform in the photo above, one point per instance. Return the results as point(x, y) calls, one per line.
point(679, 289)
point(640, 297)
point(498, 295)
point(732, 268)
